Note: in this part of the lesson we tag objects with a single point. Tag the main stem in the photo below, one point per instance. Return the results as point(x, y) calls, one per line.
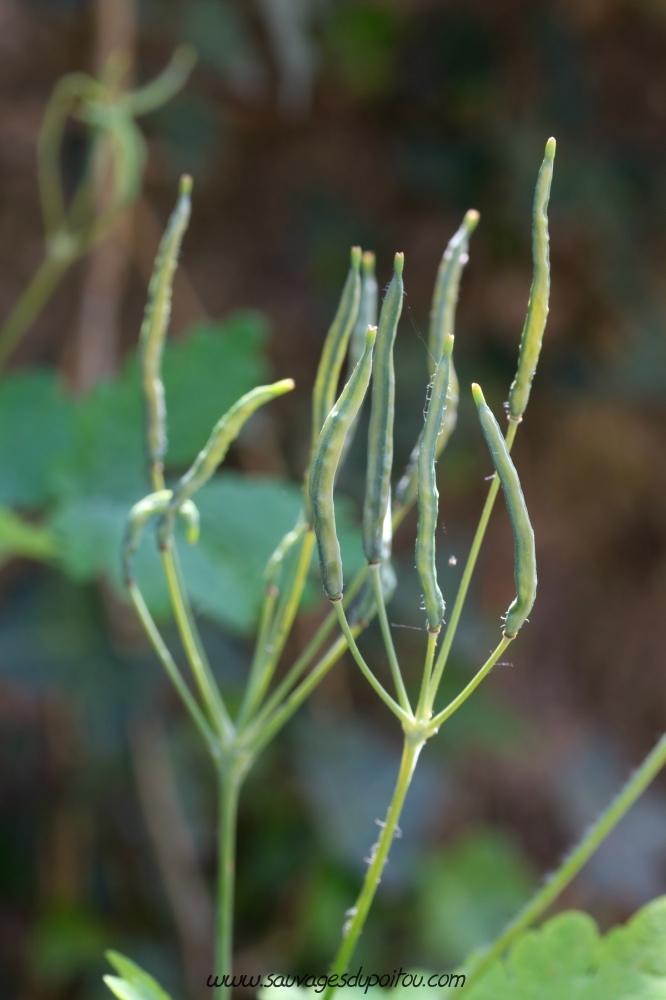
point(231, 781)
point(35, 296)
point(380, 851)
point(594, 837)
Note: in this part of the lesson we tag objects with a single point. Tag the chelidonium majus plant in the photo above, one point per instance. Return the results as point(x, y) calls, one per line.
point(361, 342)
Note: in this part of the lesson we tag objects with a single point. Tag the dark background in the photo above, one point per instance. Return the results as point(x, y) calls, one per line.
point(310, 125)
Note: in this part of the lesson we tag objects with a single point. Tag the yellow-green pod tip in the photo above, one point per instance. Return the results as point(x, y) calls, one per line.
point(368, 262)
point(284, 385)
point(449, 341)
point(550, 149)
point(478, 394)
point(356, 254)
point(370, 336)
point(398, 263)
point(185, 186)
point(471, 220)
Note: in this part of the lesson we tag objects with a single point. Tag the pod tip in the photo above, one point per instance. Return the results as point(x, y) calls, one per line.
point(370, 335)
point(185, 186)
point(287, 384)
point(448, 344)
point(398, 263)
point(356, 253)
point(368, 261)
point(550, 148)
point(478, 394)
point(471, 219)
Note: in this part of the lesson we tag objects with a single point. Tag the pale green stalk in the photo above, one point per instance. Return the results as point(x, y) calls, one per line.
point(571, 866)
point(375, 572)
point(467, 574)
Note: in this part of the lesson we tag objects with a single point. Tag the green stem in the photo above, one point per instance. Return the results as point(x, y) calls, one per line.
point(263, 730)
point(453, 706)
point(594, 837)
point(230, 786)
point(379, 855)
point(281, 626)
point(375, 572)
point(467, 574)
point(172, 670)
point(365, 669)
point(423, 710)
point(34, 297)
point(200, 668)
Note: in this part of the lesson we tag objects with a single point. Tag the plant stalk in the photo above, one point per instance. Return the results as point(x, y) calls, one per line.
point(378, 857)
point(557, 882)
point(34, 297)
point(231, 781)
point(467, 573)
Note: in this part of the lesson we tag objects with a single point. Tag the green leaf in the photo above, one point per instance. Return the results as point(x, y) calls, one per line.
point(18, 538)
point(203, 375)
point(132, 983)
point(35, 425)
point(466, 894)
point(567, 959)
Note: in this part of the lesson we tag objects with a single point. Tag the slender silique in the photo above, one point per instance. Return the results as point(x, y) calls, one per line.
point(447, 287)
point(525, 571)
point(367, 316)
point(335, 347)
point(156, 323)
point(380, 431)
point(428, 496)
point(537, 307)
point(325, 462)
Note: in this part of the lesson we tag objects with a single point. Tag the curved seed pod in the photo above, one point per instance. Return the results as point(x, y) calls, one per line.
point(537, 307)
point(525, 572)
point(380, 432)
point(447, 285)
point(324, 466)
point(141, 513)
point(225, 431)
point(427, 490)
point(156, 321)
point(406, 489)
point(282, 550)
point(367, 316)
point(335, 347)
point(165, 86)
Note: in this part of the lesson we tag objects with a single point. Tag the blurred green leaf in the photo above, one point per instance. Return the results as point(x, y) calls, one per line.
point(35, 425)
point(135, 984)
point(567, 959)
point(467, 894)
point(18, 538)
point(362, 39)
point(64, 943)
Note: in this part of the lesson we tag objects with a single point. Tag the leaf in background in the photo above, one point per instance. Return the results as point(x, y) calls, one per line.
point(466, 894)
point(35, 425)
point(18, 538)
point(206, 373)
point(567, 959)
point(135, 984)
point(203, 374)
point(63, 944)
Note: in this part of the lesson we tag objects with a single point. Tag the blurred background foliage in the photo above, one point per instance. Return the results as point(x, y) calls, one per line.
point(310, 125)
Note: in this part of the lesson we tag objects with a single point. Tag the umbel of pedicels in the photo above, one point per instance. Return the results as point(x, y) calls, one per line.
point(364, 342)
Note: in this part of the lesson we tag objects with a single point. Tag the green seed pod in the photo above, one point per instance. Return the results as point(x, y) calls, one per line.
point(141, 513)
point(367, 316)
point(364, 607)
point(537, 307)
point(428, 496)
point(447, 286)
point(406, 489)
point(225, 431)
point(335, 347)
point(380, 432)
point(325, 464)
point(156, 321)
point(525, 572)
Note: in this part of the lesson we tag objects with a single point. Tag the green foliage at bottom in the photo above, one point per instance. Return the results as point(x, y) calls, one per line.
point(566, 959)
